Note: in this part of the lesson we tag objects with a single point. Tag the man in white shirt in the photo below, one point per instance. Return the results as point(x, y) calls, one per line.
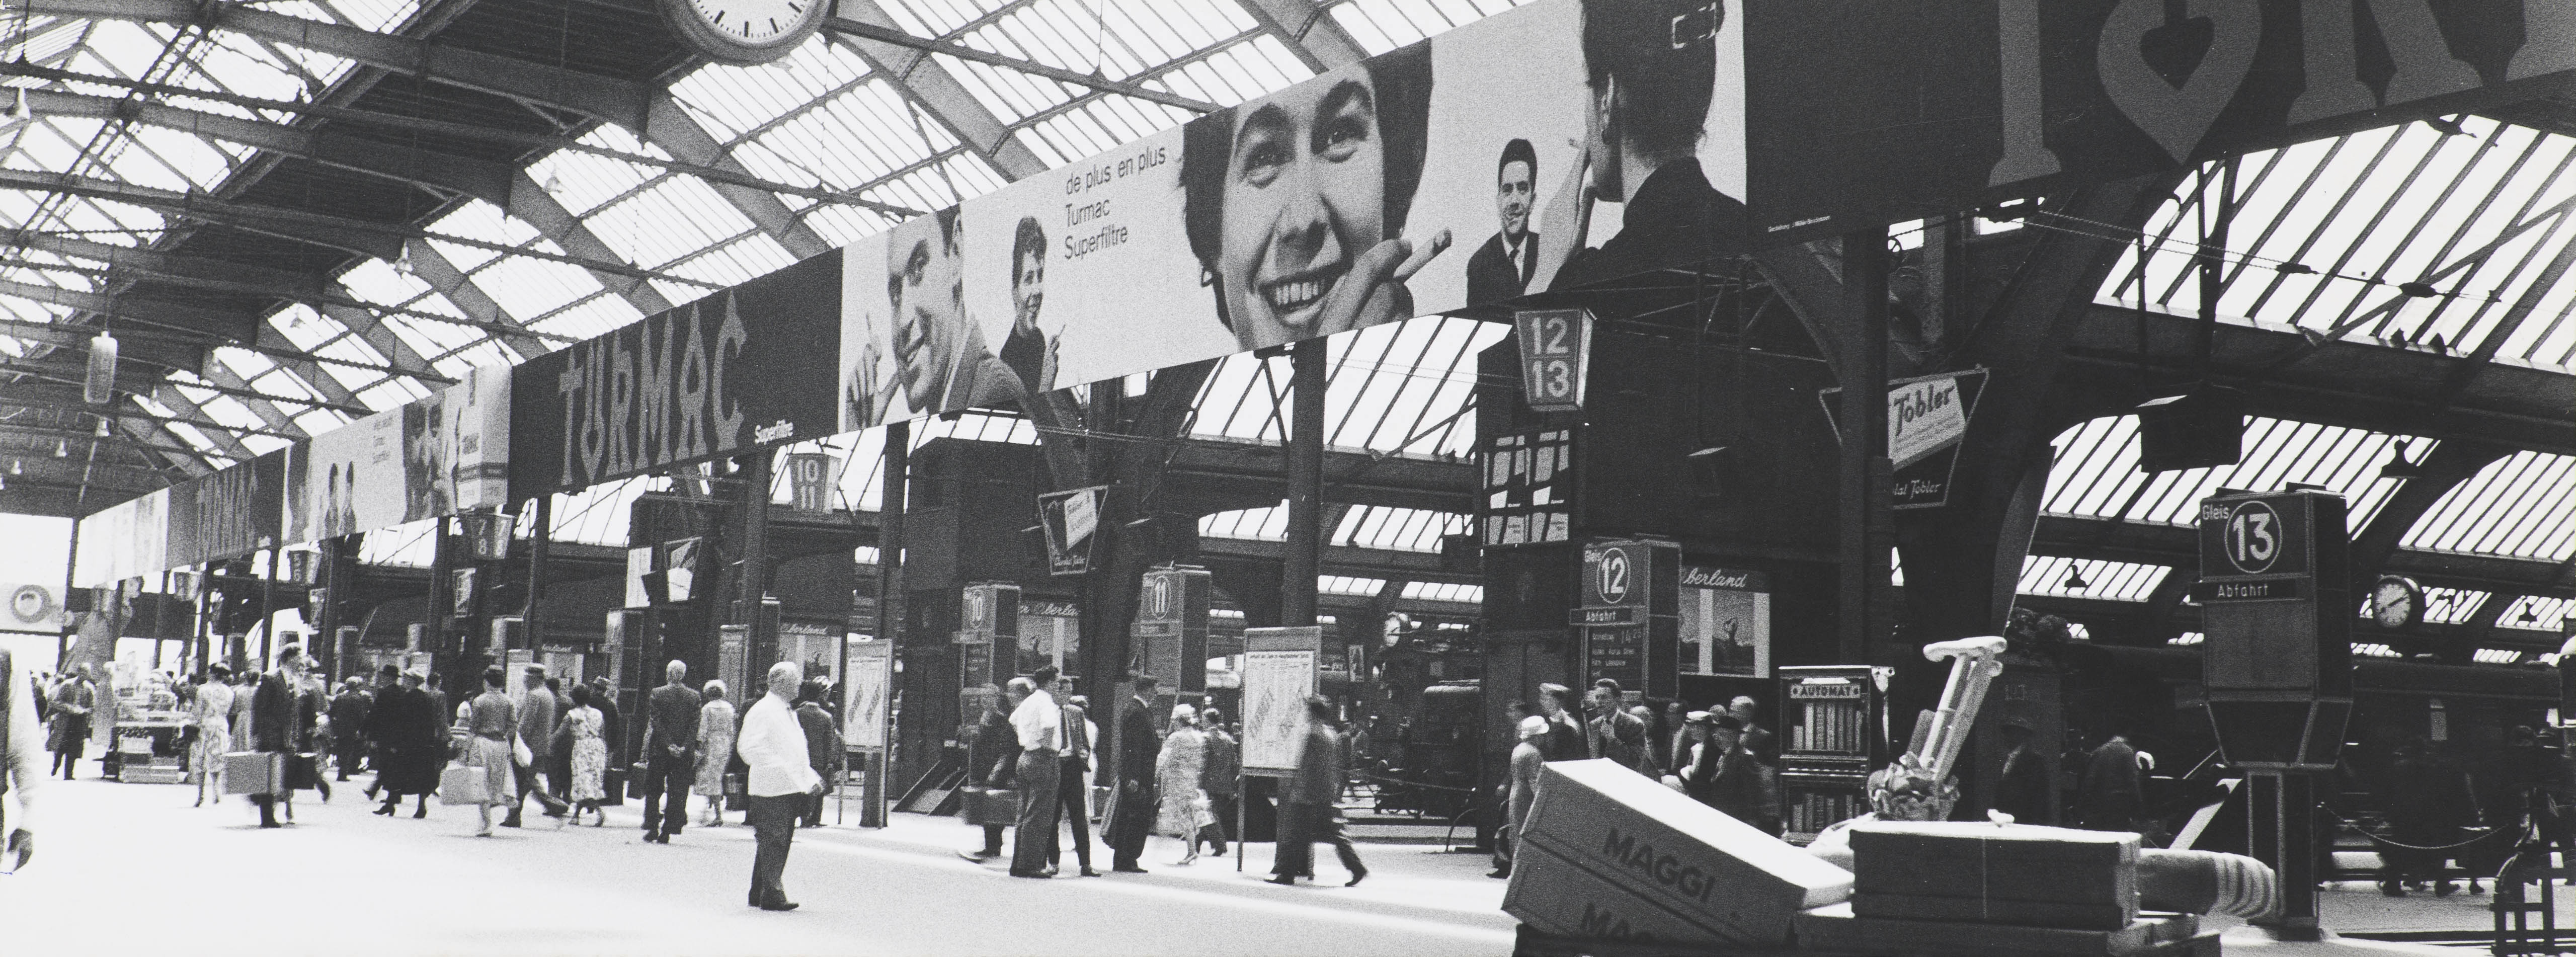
point(20, 741)
point(782, 774)
point(1039, 722)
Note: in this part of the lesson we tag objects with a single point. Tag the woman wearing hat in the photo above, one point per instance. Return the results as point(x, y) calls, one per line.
point(1176, 774)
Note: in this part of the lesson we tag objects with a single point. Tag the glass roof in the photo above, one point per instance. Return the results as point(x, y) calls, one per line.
point(2326, 237)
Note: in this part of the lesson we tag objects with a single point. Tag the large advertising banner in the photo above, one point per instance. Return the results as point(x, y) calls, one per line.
point(748, 366)
point(227, 513)
point(124, 541)
point(352, 478)
point(469, 445)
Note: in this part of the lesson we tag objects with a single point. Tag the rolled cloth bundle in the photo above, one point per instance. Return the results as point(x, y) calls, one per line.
point(2206, 882)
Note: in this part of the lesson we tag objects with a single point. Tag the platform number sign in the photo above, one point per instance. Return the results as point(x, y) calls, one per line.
point(2252, 537)
point(1613, 575)
point(1556, 352)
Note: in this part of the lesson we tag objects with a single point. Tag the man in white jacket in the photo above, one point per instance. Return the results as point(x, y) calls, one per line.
point(773, 744)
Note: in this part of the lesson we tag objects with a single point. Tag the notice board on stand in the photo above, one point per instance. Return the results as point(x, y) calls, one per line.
point(1280, 668)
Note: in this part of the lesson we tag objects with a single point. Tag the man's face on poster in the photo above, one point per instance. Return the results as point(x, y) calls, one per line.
point(1305, 194)
point(929, 306)
point(1028, 288)
point(1512, 192)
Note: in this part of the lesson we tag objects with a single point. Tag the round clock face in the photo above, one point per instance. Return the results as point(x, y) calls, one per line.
point(2393, 603)
point(30, 603)
point(745, 31)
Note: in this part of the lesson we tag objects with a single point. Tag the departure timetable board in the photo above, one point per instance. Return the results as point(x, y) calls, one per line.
point(1529, 489)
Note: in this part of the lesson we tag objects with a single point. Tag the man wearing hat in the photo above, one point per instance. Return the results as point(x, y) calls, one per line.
point(1520, 789)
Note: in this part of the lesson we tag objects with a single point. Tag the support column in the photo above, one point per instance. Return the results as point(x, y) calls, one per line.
point(2284, 835)
point(890, 538)
point(268, 612)
point(1302, 554)
point(755, 562)
point(1868, 528)
point(446, 658)
point(540, 541)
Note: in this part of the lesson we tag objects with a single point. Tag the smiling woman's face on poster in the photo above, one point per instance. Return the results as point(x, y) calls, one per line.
point(1305, 195)
point(1297, 201)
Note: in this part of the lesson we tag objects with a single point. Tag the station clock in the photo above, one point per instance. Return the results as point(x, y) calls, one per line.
point(745, 32)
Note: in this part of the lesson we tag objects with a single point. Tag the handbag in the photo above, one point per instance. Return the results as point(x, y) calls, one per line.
point(303, 771)
point(464, 784)
point(989, 807)
point(519, 752)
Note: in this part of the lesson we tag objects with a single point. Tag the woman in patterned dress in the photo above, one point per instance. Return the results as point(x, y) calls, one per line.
point(211, 711)
point(1177, 770)
point(589, 758)
point(715, 751)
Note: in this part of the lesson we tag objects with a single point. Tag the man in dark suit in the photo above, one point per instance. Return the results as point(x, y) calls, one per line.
point(822, 741)
point(992, 758)
point(1131, 816)
point(349, 723)
point(274, 723)
point(1501, 267)
point(1306, 807)
point(670, 753)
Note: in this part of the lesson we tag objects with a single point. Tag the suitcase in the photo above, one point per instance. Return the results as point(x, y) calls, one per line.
point(612, 783)
point(463, 784)
point(253, 772)
point(992, 806)
point(737, 794)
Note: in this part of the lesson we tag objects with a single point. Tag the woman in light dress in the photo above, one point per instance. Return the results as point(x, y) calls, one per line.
point(715, 751)
point(1184, 810)
point(212, 713)
point(589, 758)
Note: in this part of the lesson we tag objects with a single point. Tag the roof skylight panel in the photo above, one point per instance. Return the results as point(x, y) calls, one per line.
point(1348, 585)
point(591, 316)
point(2522, 505)
point(584, 181)
point(843, 225)
point(392, 393)
point(2058, 575)
point(2535, 613)
point(749, 257)
point(318, 421)
point(526, 287)
point(1268, 523)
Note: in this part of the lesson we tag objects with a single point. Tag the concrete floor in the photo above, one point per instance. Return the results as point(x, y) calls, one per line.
point(133, 869)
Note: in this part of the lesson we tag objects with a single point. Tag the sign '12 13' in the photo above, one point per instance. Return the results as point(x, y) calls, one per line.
point(1556, 352)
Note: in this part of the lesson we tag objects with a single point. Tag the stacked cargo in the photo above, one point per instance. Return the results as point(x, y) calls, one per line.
point(1608, 855)
point(2010, 889)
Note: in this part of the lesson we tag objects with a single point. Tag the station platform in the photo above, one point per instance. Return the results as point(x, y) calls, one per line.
point(133, 869)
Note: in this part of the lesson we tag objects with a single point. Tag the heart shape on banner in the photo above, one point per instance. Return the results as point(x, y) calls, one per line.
point(2176, 115)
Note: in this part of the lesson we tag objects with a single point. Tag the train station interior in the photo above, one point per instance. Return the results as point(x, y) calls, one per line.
point(932, 344)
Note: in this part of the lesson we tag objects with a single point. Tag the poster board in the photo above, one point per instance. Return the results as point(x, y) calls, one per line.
point(868, 681)
point(1280, 667)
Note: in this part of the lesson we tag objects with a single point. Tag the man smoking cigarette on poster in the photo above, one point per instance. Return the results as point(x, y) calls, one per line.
point(941, 363)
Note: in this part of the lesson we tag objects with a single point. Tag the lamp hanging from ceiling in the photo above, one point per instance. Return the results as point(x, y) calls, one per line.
point(100, 386)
